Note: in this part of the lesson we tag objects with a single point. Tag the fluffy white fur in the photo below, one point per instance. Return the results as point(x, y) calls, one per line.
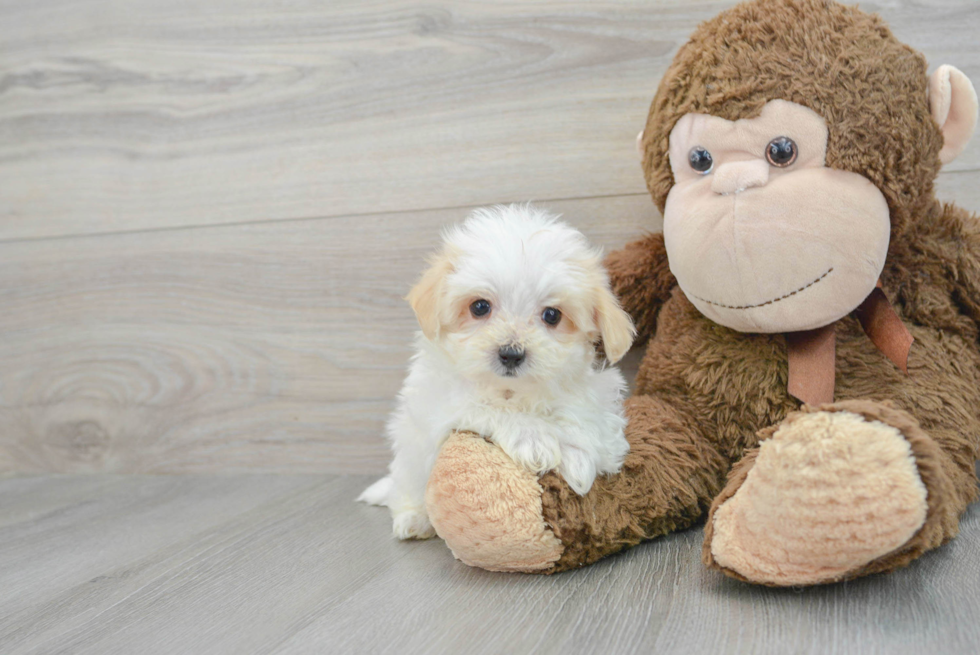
point(559, 408)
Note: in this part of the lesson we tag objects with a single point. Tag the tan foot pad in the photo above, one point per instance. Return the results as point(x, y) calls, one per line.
point(487, 509)
point(829, 493)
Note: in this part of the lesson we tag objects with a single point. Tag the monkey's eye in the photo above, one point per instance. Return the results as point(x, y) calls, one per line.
point(480, 307)
point(700, 160)
point(781, 151)
point(551, 316)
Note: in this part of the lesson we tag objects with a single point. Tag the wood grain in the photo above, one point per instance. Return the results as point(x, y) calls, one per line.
point(277, 347)
point(271, 347)
point(209, 212)
point(162, 113)
point(287, 564)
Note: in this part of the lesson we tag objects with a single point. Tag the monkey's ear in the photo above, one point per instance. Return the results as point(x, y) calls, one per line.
point(639, 144)
point(615, 325)
point(426, 296)
point(953, 103)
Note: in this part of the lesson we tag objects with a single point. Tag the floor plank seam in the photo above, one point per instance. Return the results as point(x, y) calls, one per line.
point(307, 219)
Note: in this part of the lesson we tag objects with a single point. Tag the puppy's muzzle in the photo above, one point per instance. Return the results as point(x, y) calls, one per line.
point(511, 358)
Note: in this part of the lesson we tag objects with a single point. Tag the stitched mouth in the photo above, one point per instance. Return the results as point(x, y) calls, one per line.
point(768, 302)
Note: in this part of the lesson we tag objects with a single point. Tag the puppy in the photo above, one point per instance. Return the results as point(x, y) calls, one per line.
point(510, 310)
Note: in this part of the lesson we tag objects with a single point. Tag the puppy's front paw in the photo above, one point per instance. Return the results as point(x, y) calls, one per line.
point(532, 448)
point(412, 523)
point(578, 469)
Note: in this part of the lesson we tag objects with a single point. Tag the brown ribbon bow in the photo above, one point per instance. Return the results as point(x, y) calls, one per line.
point(812, 353)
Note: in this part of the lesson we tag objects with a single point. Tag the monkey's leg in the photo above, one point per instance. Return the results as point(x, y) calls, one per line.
point(495, 515)
point(837, 492)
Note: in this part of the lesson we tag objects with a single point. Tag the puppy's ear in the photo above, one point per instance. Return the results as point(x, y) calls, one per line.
point(615, 325)
point(426, 296)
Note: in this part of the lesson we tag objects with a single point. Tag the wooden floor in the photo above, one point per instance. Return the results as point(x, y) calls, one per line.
point(288, 564)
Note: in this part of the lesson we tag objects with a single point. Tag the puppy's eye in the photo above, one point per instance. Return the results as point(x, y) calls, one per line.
point(480, 307)
point(781, 152)
point(551, 316)
point(700, 160)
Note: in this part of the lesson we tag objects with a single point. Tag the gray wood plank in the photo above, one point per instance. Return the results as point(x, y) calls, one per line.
point(47, 547)
point(275, 347)
point(153, 113)
point(298, 568)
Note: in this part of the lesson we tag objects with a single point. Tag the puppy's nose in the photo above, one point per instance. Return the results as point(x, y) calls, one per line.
point(511, 357)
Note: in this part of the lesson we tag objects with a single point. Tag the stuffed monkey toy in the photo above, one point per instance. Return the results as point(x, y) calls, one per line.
point(811, 384)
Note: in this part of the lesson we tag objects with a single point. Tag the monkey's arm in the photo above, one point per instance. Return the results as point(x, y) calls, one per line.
point(641, 279)
point(961, 251)
point(967, 280)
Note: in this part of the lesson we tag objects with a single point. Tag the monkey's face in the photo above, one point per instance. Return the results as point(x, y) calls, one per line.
point(762, 236)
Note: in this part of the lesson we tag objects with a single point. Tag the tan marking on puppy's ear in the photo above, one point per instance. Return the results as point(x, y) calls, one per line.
point(615, 325)
point(953, 103)
point(426, 296)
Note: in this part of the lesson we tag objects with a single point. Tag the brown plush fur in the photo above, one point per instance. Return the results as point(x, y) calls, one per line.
point(870, 88)
point(666, 484)
point(706, 395)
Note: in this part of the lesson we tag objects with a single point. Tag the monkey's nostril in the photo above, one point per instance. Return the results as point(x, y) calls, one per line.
point(511, 357)
point(738, 176)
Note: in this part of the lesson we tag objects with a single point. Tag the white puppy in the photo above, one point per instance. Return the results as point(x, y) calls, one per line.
point(510, 310)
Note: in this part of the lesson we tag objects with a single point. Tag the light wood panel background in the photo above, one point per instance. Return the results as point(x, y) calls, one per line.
point(209, 211)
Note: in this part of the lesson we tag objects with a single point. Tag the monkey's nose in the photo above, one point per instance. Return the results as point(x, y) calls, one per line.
point(511, 357)
point(739, 176)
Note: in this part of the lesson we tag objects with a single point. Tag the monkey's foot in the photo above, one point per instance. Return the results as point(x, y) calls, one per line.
point(488, 509)
point(831, 494)
point(496, 515)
